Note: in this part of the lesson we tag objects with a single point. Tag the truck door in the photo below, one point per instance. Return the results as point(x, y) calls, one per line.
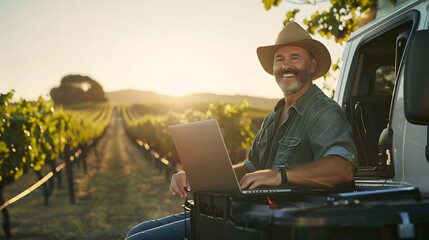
point(410, 141)
point(368, 95)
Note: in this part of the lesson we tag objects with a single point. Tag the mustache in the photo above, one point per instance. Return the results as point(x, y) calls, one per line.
point(289, 71)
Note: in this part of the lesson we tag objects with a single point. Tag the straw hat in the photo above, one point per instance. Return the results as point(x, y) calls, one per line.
point(294, 35)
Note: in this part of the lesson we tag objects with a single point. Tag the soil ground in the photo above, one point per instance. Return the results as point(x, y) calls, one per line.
point(120, 190)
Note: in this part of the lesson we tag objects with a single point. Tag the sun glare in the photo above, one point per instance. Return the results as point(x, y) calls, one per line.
point(176, 84)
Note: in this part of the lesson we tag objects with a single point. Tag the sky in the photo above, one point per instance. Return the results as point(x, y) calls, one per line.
point(173, 47)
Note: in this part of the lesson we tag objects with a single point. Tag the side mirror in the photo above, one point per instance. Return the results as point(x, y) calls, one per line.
point(416, 74)
point(416, 84)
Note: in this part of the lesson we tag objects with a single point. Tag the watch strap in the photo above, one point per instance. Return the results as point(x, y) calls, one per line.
point(283, 174)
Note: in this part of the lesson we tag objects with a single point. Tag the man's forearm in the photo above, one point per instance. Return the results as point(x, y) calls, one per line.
point(329, 171)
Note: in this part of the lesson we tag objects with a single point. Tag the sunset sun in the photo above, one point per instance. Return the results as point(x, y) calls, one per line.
point(176, 84)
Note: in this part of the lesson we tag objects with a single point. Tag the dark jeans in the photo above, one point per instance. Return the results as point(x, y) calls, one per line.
point(171, 227)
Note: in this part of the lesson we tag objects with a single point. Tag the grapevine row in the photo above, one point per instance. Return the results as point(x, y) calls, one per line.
point(36, 134)
point(151, 131)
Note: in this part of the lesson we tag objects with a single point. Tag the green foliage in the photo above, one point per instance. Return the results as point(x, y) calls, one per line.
point(269, 3)
point(18, 136)
point(342, 18)
point(153, 129)
point(234, 123)
point(32, 134)
point(4, 123)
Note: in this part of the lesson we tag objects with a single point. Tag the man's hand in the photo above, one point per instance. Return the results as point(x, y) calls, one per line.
point(266, 177)
point(178, 182)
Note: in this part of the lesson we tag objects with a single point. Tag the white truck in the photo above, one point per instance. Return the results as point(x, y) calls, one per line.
point(383, 88)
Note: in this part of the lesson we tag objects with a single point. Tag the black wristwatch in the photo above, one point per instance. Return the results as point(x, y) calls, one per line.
point(282, 169)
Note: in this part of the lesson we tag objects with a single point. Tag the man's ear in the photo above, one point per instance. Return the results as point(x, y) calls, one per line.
point(313, 65)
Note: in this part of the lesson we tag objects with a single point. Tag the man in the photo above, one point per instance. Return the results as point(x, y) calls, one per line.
point(305, 141)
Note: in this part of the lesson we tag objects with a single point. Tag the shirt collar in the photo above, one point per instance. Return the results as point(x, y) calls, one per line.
point(302, 101)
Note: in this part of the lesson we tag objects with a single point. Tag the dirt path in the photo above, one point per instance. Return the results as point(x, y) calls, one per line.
point(120, 190)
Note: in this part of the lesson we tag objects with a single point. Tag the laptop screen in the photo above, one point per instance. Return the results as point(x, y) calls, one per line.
point(204, 157)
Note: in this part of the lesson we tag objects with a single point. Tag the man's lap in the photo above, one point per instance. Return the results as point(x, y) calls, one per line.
point(171, 227)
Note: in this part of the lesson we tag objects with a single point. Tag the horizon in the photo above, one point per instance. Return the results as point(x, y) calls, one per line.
point(171, 48)
point(188, 94)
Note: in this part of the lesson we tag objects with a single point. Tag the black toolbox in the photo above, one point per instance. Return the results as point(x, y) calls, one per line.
point(380, 214)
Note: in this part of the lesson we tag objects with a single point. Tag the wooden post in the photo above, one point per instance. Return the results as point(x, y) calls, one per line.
point(5, 212)
point(46, 192)
point(83, 157)
point(69, 171)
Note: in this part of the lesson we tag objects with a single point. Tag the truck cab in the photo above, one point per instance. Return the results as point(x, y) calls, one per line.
point(383, 88)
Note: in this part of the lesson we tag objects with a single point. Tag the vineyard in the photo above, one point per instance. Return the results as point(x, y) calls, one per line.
point(151, 131)
point(50, 142)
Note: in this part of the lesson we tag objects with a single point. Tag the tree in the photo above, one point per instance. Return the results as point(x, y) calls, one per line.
point(342, 18)
point(77, 89)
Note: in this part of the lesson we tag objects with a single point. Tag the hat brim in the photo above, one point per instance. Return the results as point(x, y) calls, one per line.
point(316, 48)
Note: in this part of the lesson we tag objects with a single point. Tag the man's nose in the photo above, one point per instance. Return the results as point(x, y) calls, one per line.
point(286, 65)
point(280, 67)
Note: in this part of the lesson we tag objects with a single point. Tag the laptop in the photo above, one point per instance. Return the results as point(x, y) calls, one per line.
point(205, 159)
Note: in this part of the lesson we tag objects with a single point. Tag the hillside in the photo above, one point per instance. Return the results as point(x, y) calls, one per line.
point(136, 96)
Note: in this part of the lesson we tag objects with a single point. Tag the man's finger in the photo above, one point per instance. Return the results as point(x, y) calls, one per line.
point(183, 193)
point(188, 186)
point(245, 182)
point(175, 190)
point(254, 185)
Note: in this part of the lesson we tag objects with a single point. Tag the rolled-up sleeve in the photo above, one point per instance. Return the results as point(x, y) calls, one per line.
point(331, 134)
point(249, 166)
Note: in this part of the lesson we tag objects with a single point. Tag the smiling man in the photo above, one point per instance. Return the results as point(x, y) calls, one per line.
point(305, 141)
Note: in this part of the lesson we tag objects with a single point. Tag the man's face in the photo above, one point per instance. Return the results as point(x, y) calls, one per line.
point(293, 68)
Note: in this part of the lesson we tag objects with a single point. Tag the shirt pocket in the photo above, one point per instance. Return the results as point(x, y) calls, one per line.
point(286, 154)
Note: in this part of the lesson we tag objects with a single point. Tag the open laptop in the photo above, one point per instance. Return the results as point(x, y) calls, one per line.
point(205, 159)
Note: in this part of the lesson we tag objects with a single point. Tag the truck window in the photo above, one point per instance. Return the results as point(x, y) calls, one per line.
point(384, 80)
point(370, 90)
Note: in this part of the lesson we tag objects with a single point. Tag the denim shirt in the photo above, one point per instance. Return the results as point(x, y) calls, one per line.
point(315, 128)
